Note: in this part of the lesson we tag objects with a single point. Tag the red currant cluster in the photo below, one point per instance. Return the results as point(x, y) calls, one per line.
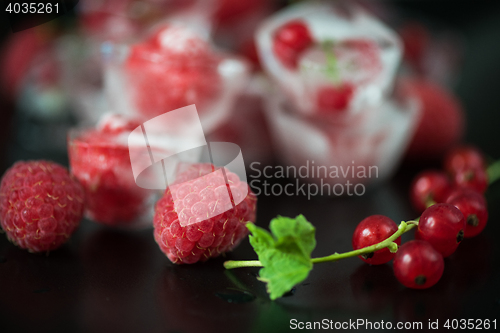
point(453, 207)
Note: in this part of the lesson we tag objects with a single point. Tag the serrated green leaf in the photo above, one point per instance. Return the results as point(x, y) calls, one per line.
point(260, 239)
point(299, 229)
point(286, 254)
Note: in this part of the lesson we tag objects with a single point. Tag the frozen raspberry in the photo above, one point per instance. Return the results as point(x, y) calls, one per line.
point(201, 215)
point(442, 122)
point(172, 69)
point(100, 160)
point(40, 205)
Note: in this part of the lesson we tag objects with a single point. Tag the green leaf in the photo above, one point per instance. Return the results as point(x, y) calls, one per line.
point(285, 254)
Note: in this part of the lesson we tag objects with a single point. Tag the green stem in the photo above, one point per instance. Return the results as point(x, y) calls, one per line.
point(230, 264)
point(493, 172)
point(403, 227)
point(389, 242)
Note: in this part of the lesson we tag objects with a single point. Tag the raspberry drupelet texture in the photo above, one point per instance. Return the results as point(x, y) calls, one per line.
point(201, 215)
point(40, 205)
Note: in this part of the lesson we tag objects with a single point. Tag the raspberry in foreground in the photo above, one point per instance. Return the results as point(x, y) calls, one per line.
point(40, 205)
point(197, 218)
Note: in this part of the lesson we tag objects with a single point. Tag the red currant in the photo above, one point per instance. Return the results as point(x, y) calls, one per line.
point(429, 186)
point(473, 205)
point(442, 225)
point(467, 167)
point(335, 99)
point(463, 158)
point(290, 41)
point(476, 179)
point(418, 265)
point(372, 230)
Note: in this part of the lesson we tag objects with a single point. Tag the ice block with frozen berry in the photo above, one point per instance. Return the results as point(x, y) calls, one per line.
point(174, 66)
point(329, 59)
point(364, 153)
point(99, 158)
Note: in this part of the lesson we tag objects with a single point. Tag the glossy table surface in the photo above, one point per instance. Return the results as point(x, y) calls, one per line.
point(107, 280)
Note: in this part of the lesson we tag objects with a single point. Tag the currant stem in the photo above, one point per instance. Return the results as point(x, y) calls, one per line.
point(230, 264)
point(389, 243)
point(493, 172)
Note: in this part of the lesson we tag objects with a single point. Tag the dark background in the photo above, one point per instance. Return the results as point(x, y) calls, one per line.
point(106, 280)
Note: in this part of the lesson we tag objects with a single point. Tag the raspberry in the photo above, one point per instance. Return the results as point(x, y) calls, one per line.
point(442, 122)
point(100, 160)
point(40, 205)
point(201, 215)
point(192, 68)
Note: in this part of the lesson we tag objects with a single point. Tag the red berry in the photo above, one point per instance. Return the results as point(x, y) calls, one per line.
point(192, 68)
point(40, 205)
point(473, 205)
point(442, 225)
point(416, 39)
point(475, 179)
point(442, 121)
point(335, 99)
point(197, 219)
point(430, 185)
point(102, 165)
point(467, 167)
point(372, 230)
point(418, 265)
point(229, 12)
point(17, 57)
point(290, 41)
point(463, 158)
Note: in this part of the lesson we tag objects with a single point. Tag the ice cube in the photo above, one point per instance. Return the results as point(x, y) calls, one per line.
point(345, 50)
point(341, 147)
point(172, 68)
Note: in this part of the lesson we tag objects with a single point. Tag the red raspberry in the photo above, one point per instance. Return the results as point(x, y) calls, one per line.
point(201, 215)
point(442, 122)
point(40, 205)
point(192, 68)
point(100, 160)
